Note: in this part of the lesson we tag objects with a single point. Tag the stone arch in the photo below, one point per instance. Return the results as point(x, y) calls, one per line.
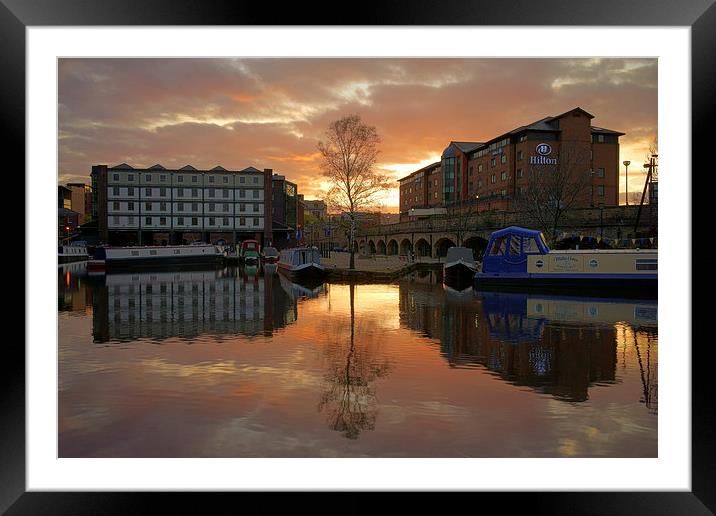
point(478, 245)
point(422, 248)
point(406, 247)
point(381, 247)
point(442, 245)
point(392, 247)
point(371, 247)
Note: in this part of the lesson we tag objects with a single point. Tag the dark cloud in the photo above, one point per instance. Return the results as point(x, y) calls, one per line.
point(272, 112)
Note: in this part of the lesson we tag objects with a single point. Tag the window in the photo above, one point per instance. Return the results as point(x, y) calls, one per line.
point(115, 177)
point(529, 246)
point(410, 190)
point(148, 221)
point(195, 192)
point(503, 159)
point(520, 154)
point(503, 192)
point(162, 206)
point(115, 205)
point(180, 221)
point(600, 190)
point(163, 192)
point(520, 173)
point(256, 194)
point(503, 176)
point(163, 178)
point(226, 206)
point(256, 207)
point(180, 206)
point(515, 246)
point(130, 190)
point(148, 206)
point(148, 192)
point(492, 162)
point(435, 195)
point(242, 179)
point(130, 220)
point(180, 192)
point(130, 206)
point(212, 221)
point(225, 193)
point(194, 179)
point(194, 221)
point(226, 179)
point(242, 221)
point(148, 177)
point(130, 177)
point(479, 183)
point(499, 246)
point(492, 179)
point(242, 193)
point(600, 172)
point(256, 180)
point(115, 190)
point(212, 206)
point(194, 206)
point(115, 219)
point(600, 138)
point(211, 179)
point(523, 138)
point(162, 221)
point(225, 221)
point(212, 192)
point(256, 221)
point(242, 207)
point(180, 179)
point(436, 181)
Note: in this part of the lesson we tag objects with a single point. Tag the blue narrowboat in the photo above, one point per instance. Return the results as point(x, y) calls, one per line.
point(520, 258)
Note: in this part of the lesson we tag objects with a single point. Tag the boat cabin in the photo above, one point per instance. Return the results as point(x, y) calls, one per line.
point(508, 250)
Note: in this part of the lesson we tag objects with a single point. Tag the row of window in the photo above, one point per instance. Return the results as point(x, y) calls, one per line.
point(181, 221)
point(194, 179)
point(180, 192)
point(148, 206)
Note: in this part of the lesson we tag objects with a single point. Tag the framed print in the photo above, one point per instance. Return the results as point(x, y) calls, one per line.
point(178, 136)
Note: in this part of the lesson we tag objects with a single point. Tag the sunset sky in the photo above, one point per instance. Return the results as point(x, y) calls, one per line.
point(270, 113)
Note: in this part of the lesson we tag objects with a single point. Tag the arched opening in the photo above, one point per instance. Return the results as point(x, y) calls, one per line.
point(442, 245)
point(381, 247)
point(392, 247)
point(478, 246)
point(371, 247)
point(406, 247)
point(422, 248)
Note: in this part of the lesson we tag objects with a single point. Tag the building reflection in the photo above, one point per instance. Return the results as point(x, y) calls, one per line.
point(73, 294)
point(160, 305)
point(558, 346)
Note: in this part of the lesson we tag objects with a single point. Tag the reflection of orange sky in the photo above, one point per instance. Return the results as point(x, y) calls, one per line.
point(271, 113)
point(244, 397)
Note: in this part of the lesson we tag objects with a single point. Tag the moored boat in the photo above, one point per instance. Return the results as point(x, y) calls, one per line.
point(459, 264)
point(74, 252)
point(249, 251)
point(154, 256)
point(520, 258)
point(301, 263)
point(270, 254)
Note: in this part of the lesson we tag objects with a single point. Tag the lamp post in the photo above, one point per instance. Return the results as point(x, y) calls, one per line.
point(626, 181)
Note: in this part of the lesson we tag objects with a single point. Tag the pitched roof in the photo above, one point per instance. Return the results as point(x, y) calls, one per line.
point(250, 169)
point(157, 167)
point(466, 146)
point(601, 130)
point(218, 167)
point(429, 167)
point(122, 166)
point(187, 167)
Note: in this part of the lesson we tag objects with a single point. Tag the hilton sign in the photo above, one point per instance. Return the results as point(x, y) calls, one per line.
point(544, 150)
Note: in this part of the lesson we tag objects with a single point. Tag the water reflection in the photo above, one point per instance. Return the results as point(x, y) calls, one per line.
point(416, 368)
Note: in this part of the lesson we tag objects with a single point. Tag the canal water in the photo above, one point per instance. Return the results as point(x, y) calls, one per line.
point(240, 362)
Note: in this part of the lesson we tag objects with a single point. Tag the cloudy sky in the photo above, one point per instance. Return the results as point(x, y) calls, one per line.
point(270, 113)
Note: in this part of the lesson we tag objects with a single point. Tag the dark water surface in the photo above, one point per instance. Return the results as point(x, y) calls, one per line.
point(242, 363)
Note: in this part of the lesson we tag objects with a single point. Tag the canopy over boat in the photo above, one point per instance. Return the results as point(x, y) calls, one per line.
point(508, 248)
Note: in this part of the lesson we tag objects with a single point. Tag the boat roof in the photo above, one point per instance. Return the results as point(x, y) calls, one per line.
point(455, 253)
point(511, 230)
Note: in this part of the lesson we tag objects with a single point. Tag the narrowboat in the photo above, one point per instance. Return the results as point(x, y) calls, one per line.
point(269, 255)
point(249, 251)
point(519, 258)
point(154, 256)
point(459, 264)
point(74, 252)
point(301, 263)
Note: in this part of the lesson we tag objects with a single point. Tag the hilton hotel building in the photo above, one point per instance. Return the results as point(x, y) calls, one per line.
point(491, 174)
point(157, 205)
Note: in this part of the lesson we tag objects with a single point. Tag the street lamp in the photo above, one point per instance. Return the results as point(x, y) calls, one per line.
point(626, 181)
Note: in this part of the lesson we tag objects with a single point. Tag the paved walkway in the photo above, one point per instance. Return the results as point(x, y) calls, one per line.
point(373, 263)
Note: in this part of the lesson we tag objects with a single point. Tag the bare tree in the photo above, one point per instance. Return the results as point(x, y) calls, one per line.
point(348, 157)
point(554, 186)
point(460, 219)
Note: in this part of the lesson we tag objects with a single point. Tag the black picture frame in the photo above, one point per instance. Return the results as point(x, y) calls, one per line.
point(16, 15)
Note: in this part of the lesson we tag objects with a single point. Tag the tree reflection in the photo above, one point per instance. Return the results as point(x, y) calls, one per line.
point(349, 399)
